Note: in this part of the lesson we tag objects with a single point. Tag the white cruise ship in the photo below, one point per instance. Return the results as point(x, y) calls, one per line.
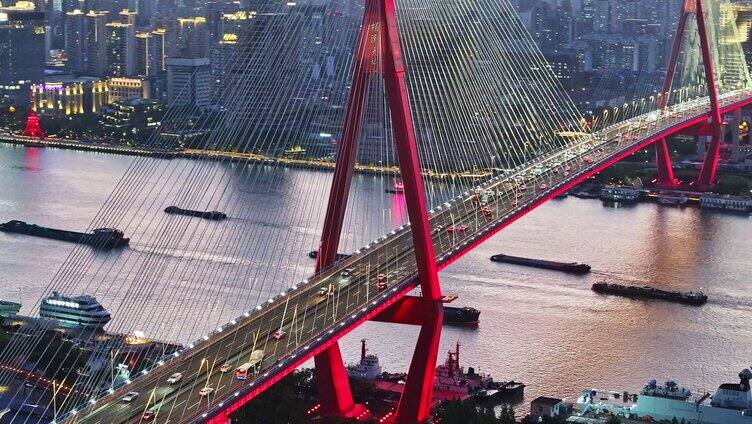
point(74, 311)
point(731, 403)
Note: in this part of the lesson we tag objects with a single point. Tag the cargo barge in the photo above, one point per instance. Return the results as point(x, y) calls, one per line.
point(100, 238)
point(466, 316)
point(647, 292)
point(568, 267)
point(213, 215)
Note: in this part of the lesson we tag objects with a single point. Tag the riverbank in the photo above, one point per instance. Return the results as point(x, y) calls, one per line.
point(311, 164)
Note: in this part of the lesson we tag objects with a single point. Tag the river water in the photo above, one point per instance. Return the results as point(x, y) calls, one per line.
point(543, 328)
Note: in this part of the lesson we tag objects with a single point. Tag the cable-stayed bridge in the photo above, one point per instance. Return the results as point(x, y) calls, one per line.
point(461, 87)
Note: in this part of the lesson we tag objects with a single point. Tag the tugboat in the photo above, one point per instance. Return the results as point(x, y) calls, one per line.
point(368, 368)
point(647, 292)
point(398, 187)
point(466, 316)
point(452, 379)
point(213, 215)
point(568, 267)
point(100, 238)
point(74, 311)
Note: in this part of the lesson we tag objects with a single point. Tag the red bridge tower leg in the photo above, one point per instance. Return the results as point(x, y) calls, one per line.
point(379, 51)
point(710, 164)
point(663, 160)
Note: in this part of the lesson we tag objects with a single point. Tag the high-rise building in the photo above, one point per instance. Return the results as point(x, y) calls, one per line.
point(188, 82)
point(159, 39)
point(191, 38)
point(75, 31)
point(144, 54)
point(95, 43)
point(22, 50)
point(120, 49)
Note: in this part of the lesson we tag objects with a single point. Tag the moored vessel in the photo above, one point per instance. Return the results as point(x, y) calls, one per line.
point(731, 403)
point(620, 194)
point(368, 368)
point(647, 292)
point(74, 311)
point(9, 309)
point(569, 267)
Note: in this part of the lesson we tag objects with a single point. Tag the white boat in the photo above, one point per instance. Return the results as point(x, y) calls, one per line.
point(728, 203)
point(731, 403)
point(368, 368)
point(74, 311)
point(9, 309)
point(620, 194)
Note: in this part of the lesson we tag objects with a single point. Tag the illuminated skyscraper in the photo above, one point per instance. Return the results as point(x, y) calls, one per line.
point(22, 50)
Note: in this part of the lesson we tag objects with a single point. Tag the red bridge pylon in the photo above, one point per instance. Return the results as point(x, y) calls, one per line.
point(663, 160)
point(379, 52)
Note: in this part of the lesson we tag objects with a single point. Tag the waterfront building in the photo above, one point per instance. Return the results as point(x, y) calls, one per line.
point(132, 118)
point(120, 88)
point(68, 95)
point(22, 50)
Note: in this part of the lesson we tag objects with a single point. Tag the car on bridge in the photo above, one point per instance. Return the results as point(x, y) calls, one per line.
point(457, 229)
point(130, 397)
point(382, 286)
point(206, 391)
point(347, 272)
point(278, 335)
point(175, 378)
point(148, 416)
point(225, 367)
point(326, 291)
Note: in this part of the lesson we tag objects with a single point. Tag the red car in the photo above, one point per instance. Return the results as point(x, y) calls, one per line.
point(149, 416)
point(278, 335)
point(487, 212)
point(381, 286)
point(587, 159)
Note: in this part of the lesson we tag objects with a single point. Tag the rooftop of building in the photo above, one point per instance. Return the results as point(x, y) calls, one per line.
point(545, 400)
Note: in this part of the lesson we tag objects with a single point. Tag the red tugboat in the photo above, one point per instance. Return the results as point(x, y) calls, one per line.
point(452, 381)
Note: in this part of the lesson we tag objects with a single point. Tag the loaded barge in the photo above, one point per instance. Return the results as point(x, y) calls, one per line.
point(213, 215)
point(568, 267)
point(100, 238)
point(647, 292)
point(465, 316)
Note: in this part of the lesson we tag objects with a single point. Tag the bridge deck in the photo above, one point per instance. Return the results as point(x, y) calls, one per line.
point(312, 321)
